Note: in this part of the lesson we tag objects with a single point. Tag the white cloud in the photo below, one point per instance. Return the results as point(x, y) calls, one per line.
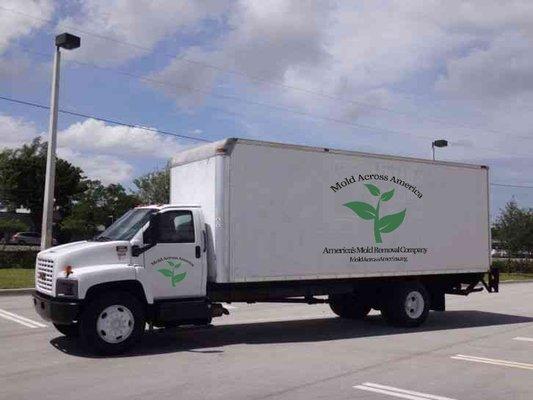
point(112, 153)
point(14, 25)
point(107, 169)
point(141, 22)
point(503, 69)
point(346, 50)
point(108, 153)
point(15, 131)
point(97, 137)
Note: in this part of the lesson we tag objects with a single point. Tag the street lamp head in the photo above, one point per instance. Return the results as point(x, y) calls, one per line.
point(440, 143)
point(68, 41)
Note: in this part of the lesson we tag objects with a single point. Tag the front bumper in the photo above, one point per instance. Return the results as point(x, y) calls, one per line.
point(58, 311)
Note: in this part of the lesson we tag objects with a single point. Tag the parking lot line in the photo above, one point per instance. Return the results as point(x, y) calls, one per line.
point(397, 392)
point(20, 319)
point(483, 360)
point(523, 339)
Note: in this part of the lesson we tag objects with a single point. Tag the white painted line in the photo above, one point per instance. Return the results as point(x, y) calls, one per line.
point(523, 339)
point(503, 363)
point(230, 307)
point(21, 320)
point(397, 392)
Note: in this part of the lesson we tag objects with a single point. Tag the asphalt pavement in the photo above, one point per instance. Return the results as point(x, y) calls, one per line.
point(481, 348)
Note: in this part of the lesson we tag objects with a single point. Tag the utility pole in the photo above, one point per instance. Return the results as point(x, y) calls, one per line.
point(66, 41)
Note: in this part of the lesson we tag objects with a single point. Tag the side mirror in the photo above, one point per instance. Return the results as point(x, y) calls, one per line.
point(136, 250)
point(149, 237)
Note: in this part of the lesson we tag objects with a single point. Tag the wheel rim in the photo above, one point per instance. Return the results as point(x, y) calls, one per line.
point(115, 324)
point(414, 304)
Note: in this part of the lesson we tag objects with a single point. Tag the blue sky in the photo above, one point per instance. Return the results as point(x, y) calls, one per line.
point(377, 76)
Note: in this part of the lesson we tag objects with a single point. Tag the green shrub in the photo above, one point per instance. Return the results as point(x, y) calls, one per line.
point(18, 259)
point(514, 266)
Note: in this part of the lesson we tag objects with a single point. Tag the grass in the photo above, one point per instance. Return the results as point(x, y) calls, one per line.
point(13, 278)
point(504, 276)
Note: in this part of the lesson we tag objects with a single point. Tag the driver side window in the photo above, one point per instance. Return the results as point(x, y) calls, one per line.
point(176, 227)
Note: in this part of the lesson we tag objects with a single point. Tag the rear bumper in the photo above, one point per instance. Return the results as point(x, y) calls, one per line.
point(56, 310)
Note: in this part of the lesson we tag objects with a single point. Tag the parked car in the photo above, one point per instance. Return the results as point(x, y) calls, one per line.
point(29, 238)
point(498, 253)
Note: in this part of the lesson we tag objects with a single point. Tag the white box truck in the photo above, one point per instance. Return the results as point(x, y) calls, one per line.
point(252, 221)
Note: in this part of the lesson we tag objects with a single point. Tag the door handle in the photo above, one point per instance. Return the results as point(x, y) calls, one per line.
point(198, 251)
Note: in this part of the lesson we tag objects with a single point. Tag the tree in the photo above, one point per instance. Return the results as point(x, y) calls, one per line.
point(22, 176)
point(154, 187)
point(96, 207)
point(514, 228)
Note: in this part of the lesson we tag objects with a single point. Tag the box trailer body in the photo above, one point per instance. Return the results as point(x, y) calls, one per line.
point(257, 221)
point(280, 212)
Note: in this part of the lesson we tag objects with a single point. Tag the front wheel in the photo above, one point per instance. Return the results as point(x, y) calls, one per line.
point(408, 305)
point(112, 323)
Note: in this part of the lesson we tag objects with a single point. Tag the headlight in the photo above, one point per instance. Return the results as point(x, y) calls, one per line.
point(66, 287)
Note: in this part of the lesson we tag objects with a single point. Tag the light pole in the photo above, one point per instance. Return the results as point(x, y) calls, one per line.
point(438, 143)
point(68, 42)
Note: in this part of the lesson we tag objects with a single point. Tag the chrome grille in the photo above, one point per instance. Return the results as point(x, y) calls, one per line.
point(44, 274)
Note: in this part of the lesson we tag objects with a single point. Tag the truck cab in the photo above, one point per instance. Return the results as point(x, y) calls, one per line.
point(144, 262)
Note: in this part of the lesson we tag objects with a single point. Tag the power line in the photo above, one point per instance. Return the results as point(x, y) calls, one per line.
point(256, 79)
point(253, 102)
point(115, 122)
point(370, 128)
point(374, 129)
point(110, 121)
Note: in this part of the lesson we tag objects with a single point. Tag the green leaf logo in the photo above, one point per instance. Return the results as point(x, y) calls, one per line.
point(387, 195)
point(374, 190)
point(365, 211)
point(170, 273)
point(390, 222)
point(178, 278)
point(166, 272)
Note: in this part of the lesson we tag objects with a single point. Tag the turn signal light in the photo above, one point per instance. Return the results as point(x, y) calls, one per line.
point(68, 270)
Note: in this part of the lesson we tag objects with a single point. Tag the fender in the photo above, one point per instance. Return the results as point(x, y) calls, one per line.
point(90, 276)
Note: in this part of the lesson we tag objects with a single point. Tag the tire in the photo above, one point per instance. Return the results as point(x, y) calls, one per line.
point(72, 330)
point(112, 323)
point(347, 306)
point(408, 306)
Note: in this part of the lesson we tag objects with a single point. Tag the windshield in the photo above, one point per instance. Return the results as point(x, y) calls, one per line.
point(126, 226)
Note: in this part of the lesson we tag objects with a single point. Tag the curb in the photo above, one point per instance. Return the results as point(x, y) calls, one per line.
point(16, 292)
point(517, 281)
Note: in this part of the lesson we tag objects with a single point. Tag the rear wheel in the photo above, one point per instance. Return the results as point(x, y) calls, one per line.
point(348, 306)
point(112, 323)
point(71, 330)
point(408, 305)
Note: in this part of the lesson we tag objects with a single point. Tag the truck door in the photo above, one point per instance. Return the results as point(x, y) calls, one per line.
point(176, 265)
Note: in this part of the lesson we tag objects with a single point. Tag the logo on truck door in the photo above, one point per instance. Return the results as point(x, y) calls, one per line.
point(173, 269)
point(384, 224)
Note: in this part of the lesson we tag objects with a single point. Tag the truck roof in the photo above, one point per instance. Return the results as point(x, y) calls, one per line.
point(165, 206)
point(226, 146)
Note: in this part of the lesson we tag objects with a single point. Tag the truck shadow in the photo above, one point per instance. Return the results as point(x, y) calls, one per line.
point(213, 339)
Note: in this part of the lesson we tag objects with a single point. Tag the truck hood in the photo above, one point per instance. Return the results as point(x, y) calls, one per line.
point(88, 253)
